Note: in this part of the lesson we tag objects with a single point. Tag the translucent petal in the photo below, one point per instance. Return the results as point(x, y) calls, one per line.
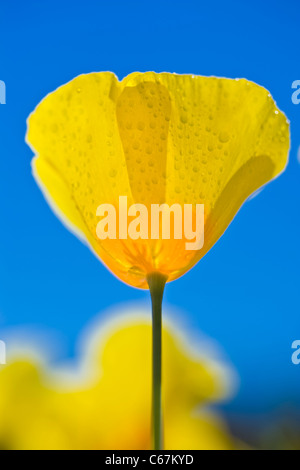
point(155, 138)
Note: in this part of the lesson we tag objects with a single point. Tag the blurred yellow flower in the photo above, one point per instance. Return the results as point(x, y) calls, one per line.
point(106, 404)
point(155, 138)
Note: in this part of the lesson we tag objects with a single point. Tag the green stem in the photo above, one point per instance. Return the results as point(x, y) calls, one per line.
point(156, 282)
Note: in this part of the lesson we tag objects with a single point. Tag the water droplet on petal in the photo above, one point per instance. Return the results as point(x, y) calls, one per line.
point(223, 137)
point(141, 126)
point(184, 119)
point(113, 173)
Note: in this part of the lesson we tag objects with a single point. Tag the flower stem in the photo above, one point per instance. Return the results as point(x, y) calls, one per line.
point(156, 282)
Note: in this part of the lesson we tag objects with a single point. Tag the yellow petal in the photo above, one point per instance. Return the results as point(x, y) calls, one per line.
point(197, 431)
point(155, 138)
point(116, 411)
point(107, 404)
point(30, 418)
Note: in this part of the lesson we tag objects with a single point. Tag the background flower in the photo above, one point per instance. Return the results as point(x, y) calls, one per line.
point(106, 404)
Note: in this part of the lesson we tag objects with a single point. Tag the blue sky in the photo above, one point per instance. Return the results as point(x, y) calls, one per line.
point(245, 293)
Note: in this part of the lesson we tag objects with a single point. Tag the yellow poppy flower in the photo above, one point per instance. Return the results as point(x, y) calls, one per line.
point(103, 406)
point(155, 138)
